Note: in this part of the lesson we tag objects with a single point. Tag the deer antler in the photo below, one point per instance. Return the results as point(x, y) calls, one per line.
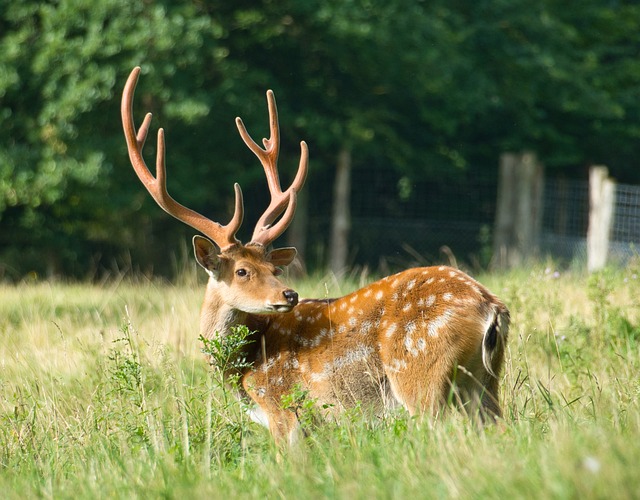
point(264, 233)
point(223, 236)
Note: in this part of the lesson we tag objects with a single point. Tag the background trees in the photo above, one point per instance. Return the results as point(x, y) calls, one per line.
point(413, 90)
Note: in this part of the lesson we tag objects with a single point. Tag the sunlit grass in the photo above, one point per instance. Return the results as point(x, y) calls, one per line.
point(104, 392)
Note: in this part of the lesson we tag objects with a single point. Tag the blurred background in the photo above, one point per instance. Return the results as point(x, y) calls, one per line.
point(415, 114)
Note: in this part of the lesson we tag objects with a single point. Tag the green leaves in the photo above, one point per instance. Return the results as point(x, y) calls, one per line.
point(426, 89)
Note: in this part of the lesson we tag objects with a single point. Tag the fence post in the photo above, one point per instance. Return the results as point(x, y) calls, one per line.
point(519, 209)
point(341, 214)
point(601, 202)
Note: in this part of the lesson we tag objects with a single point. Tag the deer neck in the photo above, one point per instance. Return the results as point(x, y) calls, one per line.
point(217, 317)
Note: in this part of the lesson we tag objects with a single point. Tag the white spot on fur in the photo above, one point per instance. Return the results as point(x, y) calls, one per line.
point(318, 377)
point(434, 326)
point(366, 326)
point(411, 284)
point(431, 299)
point(367, 293)
point(392, 329)
point(396, 365)
point(360, 353)
point(379, 294)
point(408, 343)
point(407, 307)
point(291, 364)
point(422, 345)
point(410, 327)
point(447, 296)
point(268, 365)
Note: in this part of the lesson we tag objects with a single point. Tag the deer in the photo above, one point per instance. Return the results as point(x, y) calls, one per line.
point(417, 340)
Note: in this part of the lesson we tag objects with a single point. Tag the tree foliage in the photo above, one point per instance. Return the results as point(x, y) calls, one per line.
point(430, 89)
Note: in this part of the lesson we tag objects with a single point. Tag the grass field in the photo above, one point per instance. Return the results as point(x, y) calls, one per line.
point(104, 393)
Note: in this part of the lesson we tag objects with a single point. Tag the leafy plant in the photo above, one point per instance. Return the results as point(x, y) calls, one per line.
point(126, 393)
point(227, 358)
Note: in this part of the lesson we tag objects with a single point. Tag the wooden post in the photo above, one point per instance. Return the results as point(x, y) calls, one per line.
point(341, 214)
point(519, 209)
point(601, 207)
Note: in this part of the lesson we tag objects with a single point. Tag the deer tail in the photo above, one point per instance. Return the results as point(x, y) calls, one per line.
point(495, 340)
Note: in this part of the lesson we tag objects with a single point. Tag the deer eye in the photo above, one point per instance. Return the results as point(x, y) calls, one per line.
point(242, 272)
point(277, 272)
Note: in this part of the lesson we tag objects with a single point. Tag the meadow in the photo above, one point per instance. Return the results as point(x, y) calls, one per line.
point(105, 393)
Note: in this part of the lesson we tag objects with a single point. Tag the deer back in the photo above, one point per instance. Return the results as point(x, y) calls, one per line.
point(388, 343)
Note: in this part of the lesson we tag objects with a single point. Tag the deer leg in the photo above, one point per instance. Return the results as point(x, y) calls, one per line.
point(284, 426)
point(425, 394)
point(490, 410)
point(478, 394)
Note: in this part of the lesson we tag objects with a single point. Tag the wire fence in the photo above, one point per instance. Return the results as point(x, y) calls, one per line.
point(438, 220)
point(566, 220)
point(396, 222)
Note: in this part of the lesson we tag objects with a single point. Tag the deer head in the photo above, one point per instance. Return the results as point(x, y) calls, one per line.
point(242, 277)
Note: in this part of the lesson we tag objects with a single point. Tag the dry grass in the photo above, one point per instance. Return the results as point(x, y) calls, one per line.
point(104, 392)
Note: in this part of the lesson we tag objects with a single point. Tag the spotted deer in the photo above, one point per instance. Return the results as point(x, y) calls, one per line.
point(416, 339)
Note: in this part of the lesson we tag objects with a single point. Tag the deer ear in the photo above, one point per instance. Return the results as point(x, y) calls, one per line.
point(207, 254)
point(282, 256)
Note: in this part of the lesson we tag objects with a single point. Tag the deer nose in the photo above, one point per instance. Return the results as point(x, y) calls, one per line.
point(291, 296)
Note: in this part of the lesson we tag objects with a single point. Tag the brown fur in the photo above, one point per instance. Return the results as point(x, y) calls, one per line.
point(403, 340)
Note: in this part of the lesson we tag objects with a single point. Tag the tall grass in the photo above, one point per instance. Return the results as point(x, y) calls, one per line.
point(104, 392)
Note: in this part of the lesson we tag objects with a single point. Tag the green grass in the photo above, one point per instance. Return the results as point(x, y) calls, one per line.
point(104, 393)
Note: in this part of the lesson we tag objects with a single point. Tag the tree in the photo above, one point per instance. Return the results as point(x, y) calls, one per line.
point(426, 90)
point(560, 79)
point(63, 197)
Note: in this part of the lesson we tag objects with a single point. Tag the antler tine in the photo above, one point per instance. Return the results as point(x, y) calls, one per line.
point(223, 236)
point(280, 200)
point(264, 235)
